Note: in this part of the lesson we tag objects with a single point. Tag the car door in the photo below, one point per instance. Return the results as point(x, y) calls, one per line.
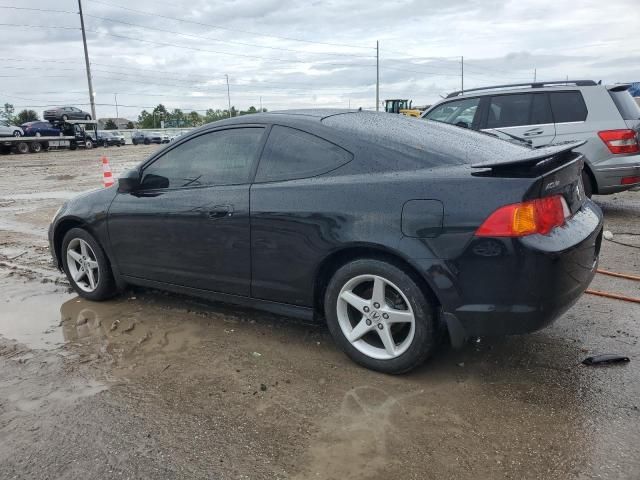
point(188, 223)
point(523, 115)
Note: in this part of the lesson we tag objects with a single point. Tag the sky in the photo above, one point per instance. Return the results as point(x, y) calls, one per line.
point(293, 54)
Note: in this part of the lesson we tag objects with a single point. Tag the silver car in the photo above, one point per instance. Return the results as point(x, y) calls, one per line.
point(8, 130)
point(542, 113)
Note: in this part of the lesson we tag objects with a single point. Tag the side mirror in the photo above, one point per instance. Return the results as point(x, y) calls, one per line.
point(129, 181)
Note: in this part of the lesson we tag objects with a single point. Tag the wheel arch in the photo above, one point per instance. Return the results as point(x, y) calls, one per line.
point(592, 178)
point(336, 259)
point(60, 230)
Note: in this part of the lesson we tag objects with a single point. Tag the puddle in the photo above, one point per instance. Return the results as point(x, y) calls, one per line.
point(30, 314)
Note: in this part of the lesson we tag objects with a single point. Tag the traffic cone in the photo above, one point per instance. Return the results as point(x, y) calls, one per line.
point(107, 176)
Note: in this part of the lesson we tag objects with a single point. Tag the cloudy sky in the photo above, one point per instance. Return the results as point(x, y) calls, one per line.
point(289, 54)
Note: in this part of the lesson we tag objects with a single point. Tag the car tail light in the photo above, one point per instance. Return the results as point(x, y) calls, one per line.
point(520, 219)
point(629, 180)
point(620, 141)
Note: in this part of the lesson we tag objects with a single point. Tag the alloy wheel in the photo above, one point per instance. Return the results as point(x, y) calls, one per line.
point(376, 317)
point(83, 265)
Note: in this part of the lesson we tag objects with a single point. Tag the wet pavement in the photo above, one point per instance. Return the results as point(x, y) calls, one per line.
point(151, 385)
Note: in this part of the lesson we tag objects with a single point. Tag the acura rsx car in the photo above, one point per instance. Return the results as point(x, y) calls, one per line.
point(390, 229)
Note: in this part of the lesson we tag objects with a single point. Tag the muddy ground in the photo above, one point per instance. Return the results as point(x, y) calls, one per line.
point(151, 385)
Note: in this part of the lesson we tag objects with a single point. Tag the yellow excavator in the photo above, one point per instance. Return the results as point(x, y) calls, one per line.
point(401, 106)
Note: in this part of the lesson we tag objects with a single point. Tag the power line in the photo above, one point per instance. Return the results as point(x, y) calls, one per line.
point(147, 13)
point(36, 9)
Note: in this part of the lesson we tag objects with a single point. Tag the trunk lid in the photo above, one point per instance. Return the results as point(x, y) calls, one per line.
point(555, 170)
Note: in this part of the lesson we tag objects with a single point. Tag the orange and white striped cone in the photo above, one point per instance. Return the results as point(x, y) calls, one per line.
point(107, 176)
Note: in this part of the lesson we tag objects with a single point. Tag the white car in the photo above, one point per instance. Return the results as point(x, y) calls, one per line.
point(8, 130)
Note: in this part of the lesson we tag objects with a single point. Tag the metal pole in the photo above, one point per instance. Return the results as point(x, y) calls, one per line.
point(228, 95)
point(535, 75)
point(462, 74)
point(260, 104)
point(86, 61)
point(115, 96)
point(377, 76)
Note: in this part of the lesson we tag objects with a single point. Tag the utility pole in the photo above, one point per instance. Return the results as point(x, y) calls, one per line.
point(377, 76)
point(260, 104)
point(228, 95)
point(86, 61)
point(535, 75)
point(115, 96)
point(462, 74)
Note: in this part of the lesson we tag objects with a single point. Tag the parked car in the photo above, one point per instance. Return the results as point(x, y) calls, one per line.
point(108, 139)
point(177, 136)
point(149, 137)
point(8, 130)
point(40, 129)
point(66, 113)
point(383, 226)
point(544, 113)
point(119, 136)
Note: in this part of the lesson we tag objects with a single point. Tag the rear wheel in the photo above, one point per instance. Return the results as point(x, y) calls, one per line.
point(87, 117)
point(36, 147)
point(88, 144)
point(86, 266)
point(380, 317)
point(17, 133)
point(147, 141)
point(22, 147)
point(587, 184)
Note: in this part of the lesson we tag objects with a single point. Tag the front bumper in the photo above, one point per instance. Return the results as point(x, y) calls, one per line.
point(609, 173)
point(514, 286)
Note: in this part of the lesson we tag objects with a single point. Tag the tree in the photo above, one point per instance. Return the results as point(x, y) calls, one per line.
point(110, 125)
point(195, 119)
point(130, 126)
point(145, 120)
point(7, 112)
point(252, 109)
point(26, 116)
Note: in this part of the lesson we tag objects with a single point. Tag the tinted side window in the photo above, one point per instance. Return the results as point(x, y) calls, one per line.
point(509, 110)
point(540, 110)
point(460, 112)
point(217, 158)
point(568, 107)
point(290, 154)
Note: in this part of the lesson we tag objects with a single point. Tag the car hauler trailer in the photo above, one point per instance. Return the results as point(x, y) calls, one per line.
point(73, 134)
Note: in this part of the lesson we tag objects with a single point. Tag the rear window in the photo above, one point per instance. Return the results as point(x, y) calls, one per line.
point(568, 107)
point(627, 106)
point(420, 140)
point(293, 154)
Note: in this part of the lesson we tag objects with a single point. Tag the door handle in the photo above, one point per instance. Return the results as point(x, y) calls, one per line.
point(220, 211)
point(535, 131)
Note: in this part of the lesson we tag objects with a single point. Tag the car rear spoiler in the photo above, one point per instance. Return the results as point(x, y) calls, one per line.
point(533, 157)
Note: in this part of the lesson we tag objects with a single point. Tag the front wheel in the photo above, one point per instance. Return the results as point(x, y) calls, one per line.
point(17, 133)
point(147, 141)
point(86, 265)
point(88, 144)
point(380, 317)
point(87, 117)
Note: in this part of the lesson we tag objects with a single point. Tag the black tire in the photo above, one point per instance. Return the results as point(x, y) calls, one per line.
point(17, 133)
point(22, 147)
point(88, 144)
point(106, 287)
point(147, 141)
point(587, 184)
point(35, 147)
point(87, 117)
point(426, 337)
point(64, 118)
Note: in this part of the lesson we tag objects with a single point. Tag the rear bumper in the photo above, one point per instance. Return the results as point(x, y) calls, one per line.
point(514, 286)
point(610, 173)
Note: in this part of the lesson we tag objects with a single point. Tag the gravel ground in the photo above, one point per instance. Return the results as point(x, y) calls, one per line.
point(151, 385)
